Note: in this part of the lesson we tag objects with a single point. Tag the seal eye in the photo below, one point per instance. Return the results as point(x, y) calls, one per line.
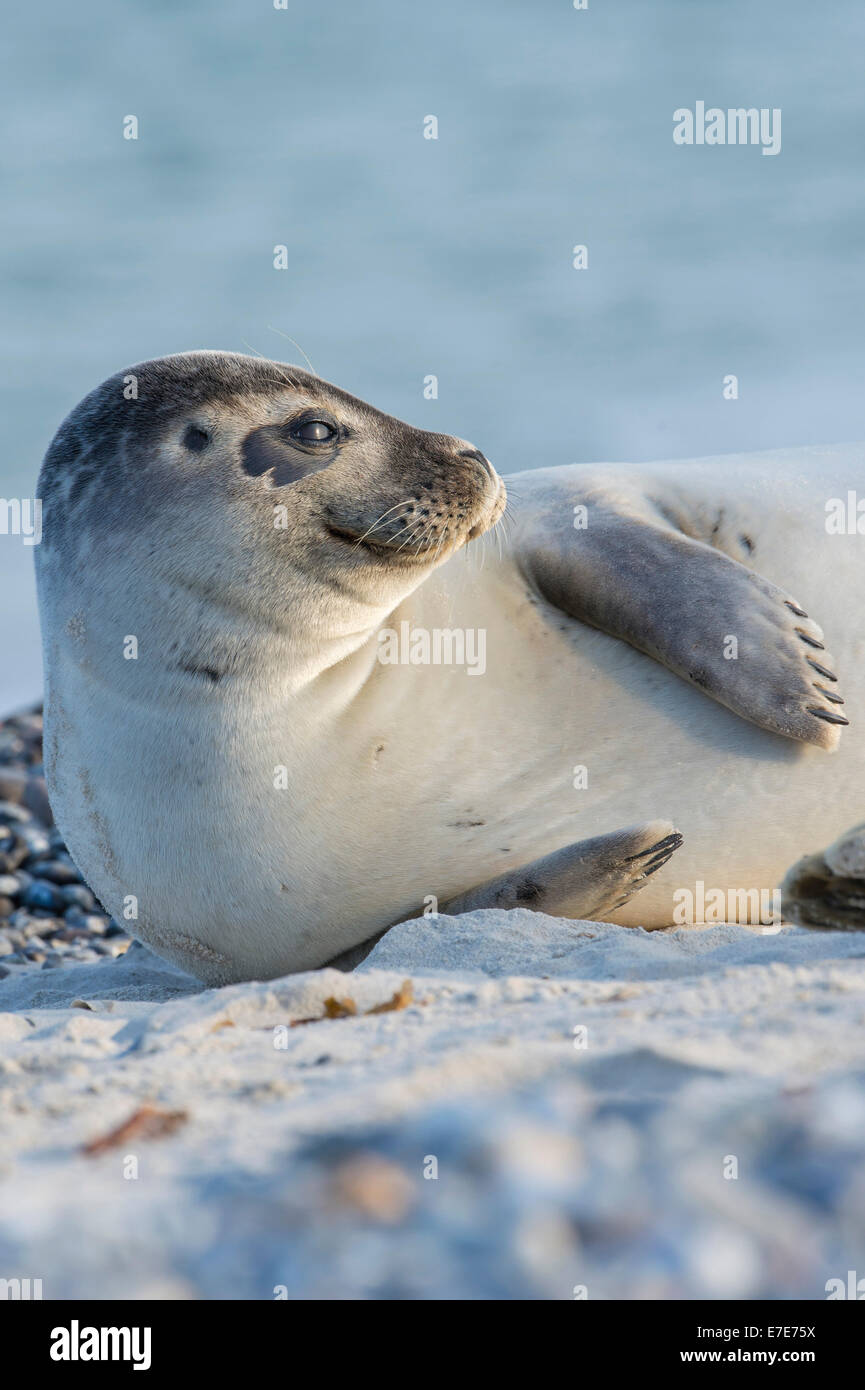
point(314, 432)
point(196, 438)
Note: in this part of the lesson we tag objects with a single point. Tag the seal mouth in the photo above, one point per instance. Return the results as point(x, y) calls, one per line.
point(380, 549)
point(495, 515)
point(401, 546)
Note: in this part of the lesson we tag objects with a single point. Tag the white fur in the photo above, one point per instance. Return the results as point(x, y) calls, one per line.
point(169, 796)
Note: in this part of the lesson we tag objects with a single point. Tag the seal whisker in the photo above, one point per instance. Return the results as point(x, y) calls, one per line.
point(415, 533)
point(376, 524)
point(427, 530)
point(413, 530)
point(294, 344)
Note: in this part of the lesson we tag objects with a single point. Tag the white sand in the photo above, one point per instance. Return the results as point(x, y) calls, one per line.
point(303, 1166)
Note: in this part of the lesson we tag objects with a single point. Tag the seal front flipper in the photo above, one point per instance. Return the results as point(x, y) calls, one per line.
point(631, 572)
point(589, 879)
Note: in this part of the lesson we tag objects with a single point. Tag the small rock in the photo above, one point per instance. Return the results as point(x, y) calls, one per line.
point(13, 781)
point(36, 798)
point(42, 894)
point(57, 871)
point(7, 907)
point(71, 934)
point(76, 895)
point(95, 924)
point(16, 855)
point(26, 923)
point(12, 747)
point(37, 840)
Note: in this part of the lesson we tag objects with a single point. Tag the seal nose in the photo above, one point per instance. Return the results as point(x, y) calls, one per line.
point(479, 458)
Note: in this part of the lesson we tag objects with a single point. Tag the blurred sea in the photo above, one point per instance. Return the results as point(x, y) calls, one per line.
point(410, 257)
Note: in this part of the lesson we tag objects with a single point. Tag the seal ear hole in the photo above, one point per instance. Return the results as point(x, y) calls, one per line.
point(195, 438)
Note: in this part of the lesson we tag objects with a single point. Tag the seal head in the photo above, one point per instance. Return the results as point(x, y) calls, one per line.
point(274, 497)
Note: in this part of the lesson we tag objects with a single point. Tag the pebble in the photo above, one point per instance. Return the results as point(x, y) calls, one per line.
point(86, 921)
point(36, 839)
point(43, 894)
point(110, 948)
point(48, 915)
point(28, 924)
point(77, 895)
point(16, 855)
point(57, 871)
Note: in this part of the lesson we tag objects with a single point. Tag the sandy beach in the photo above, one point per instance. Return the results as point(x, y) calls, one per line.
point(563, 1110)
point(500, 1105)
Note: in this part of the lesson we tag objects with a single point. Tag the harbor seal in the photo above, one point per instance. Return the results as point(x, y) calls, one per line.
point(284, 711)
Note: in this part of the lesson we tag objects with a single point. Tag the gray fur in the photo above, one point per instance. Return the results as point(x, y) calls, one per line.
point(828, 889)
point(634, 573)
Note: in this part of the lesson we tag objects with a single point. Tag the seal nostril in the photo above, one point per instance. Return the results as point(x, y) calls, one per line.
point(480, 458)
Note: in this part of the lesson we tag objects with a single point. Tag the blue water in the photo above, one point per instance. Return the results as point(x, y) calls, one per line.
point(453, 257)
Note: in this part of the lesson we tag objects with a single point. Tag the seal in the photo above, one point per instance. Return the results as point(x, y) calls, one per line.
point(283, 711)
point(828, 889)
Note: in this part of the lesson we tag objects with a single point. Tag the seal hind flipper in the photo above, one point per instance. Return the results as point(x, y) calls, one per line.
point(828, 890)
point(589, 879)
point(724, 628)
